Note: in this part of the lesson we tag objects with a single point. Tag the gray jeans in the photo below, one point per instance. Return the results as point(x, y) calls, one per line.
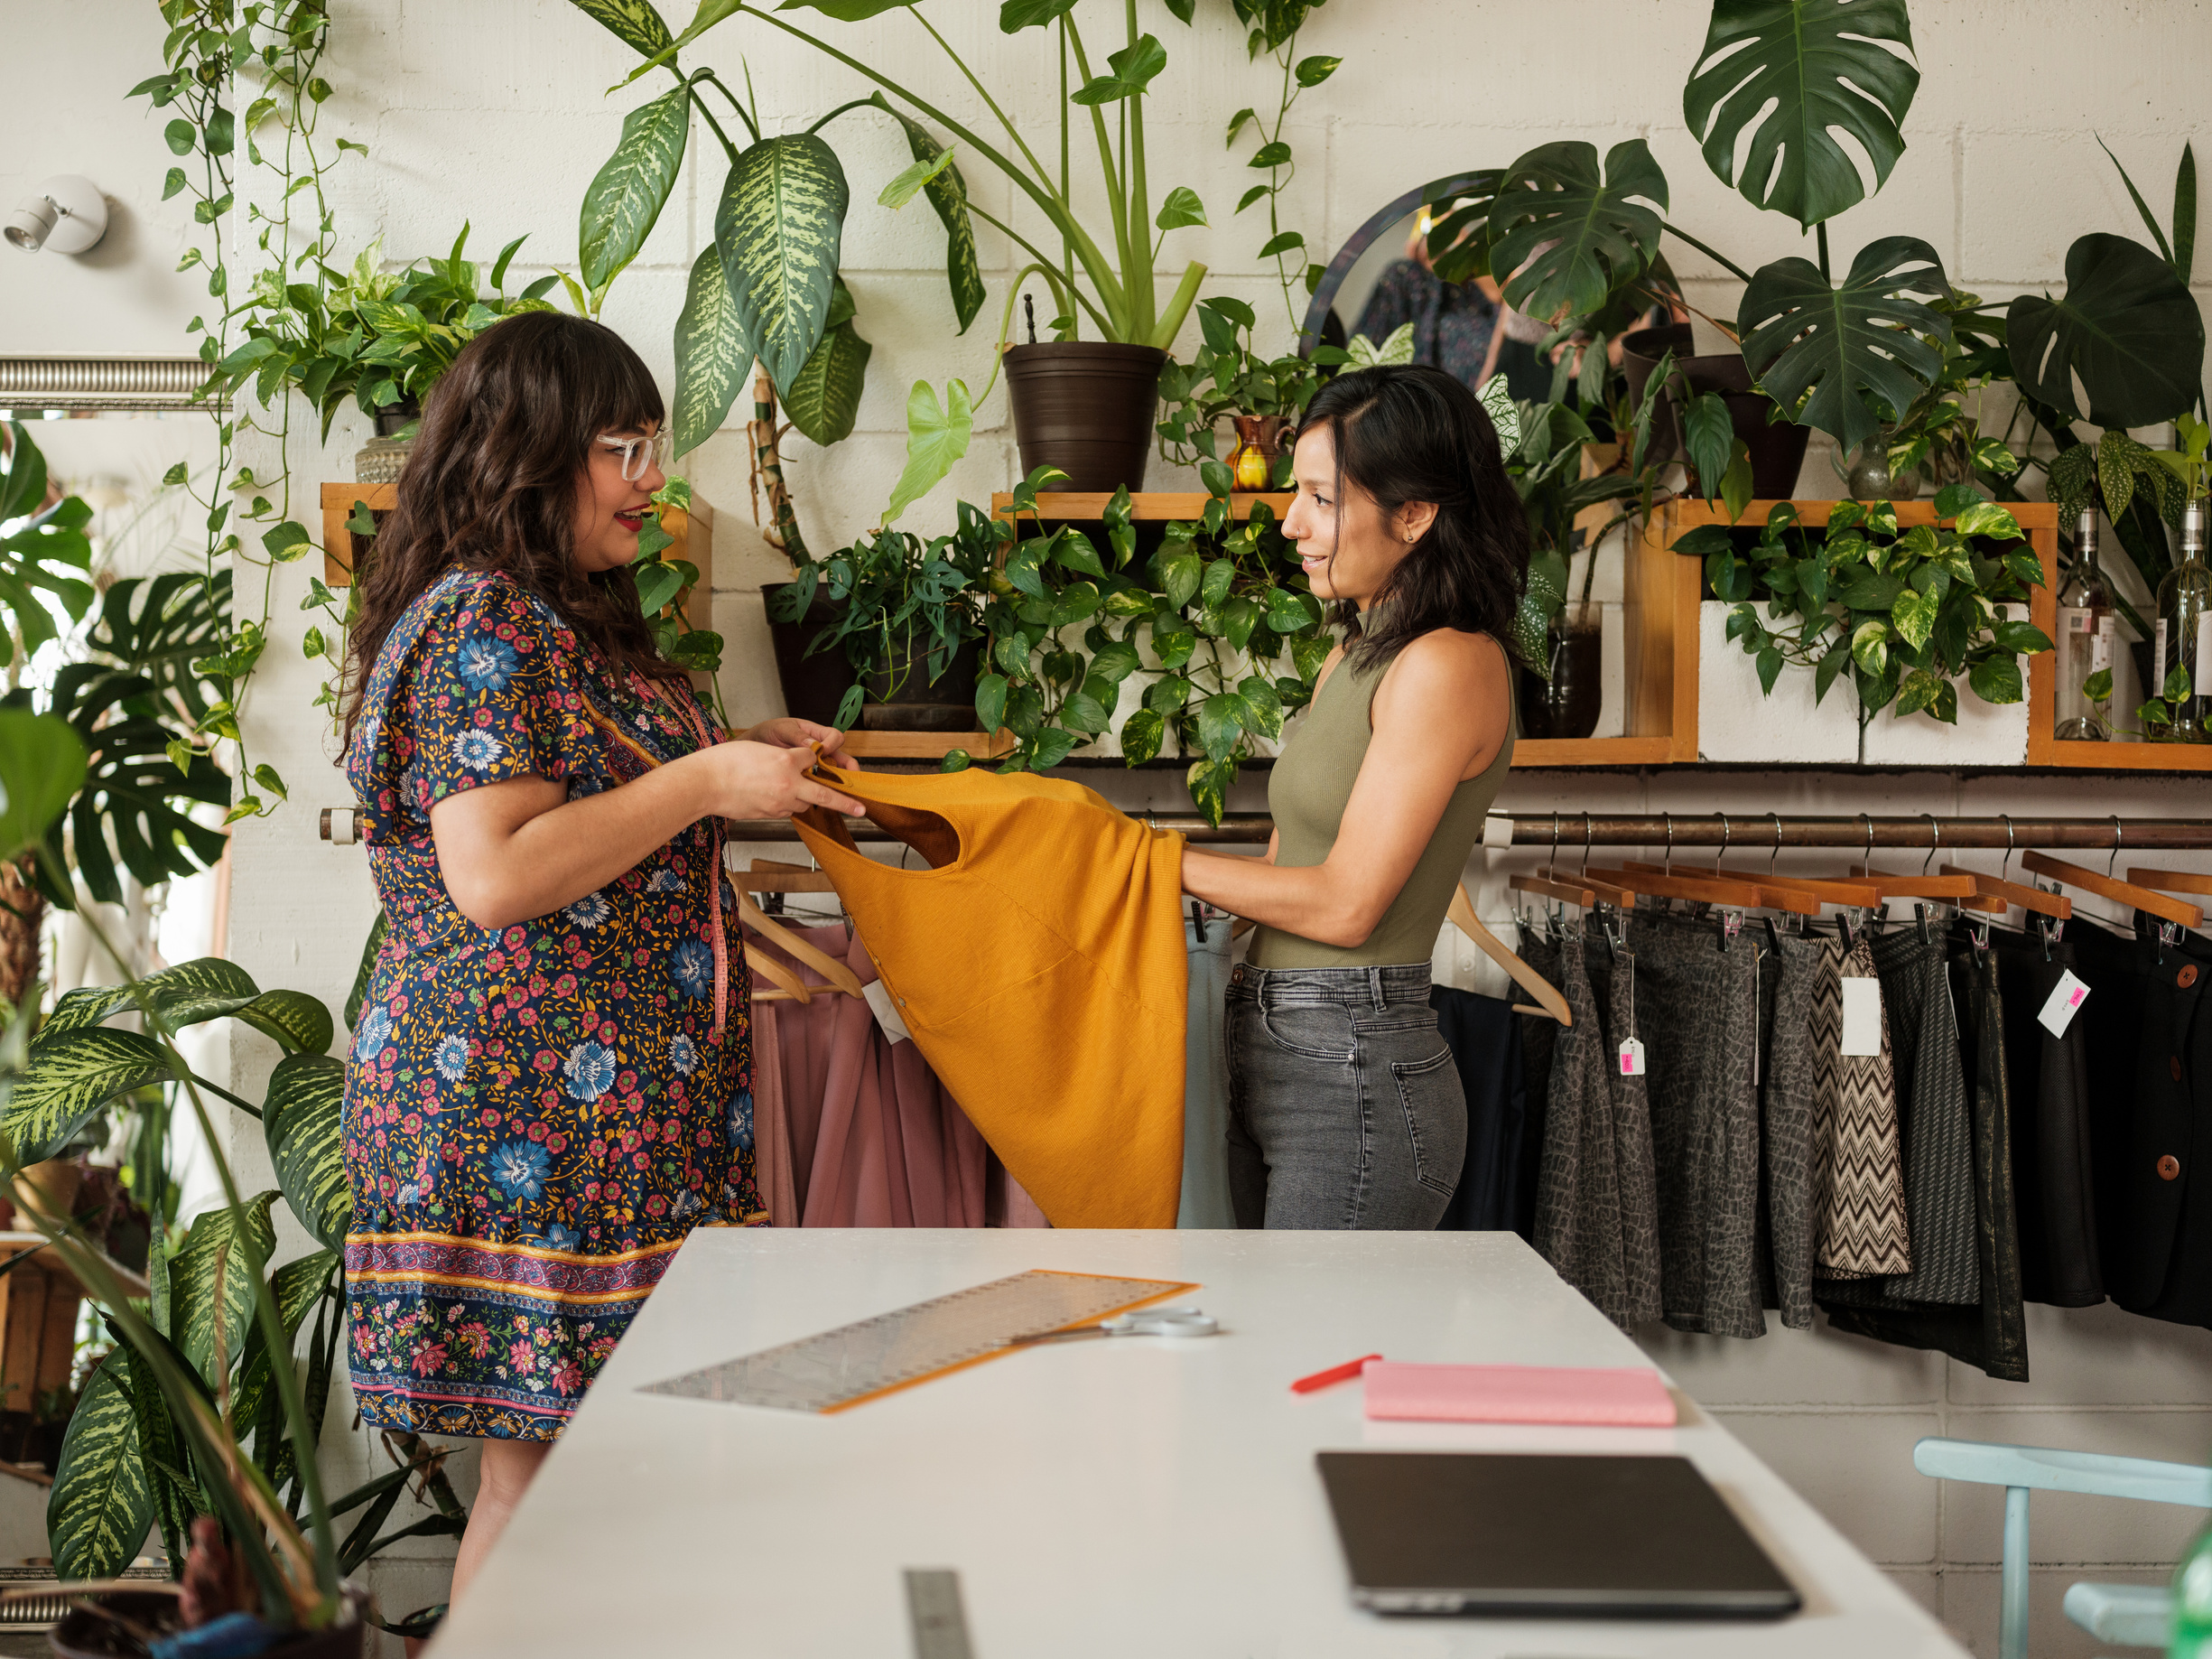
point(1344, 1106)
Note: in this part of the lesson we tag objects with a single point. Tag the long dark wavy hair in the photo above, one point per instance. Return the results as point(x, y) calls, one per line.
point(1410, 433)
point(491, 486)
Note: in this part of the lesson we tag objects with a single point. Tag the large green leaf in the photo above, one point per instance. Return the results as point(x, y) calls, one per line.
point(778, 227)
point(1826, 354)
point(825, 399)
point(948, 193)
point(714, 354)
point(845, 11)
point(301, 1118)
point(634, 22)
point(2127, 326)
point(193, 1309)
point(627, 197)
point(42, 764)
point(1570, 236)
point(134, 806)
point(294, 1286)
point(67, 1080)
point(205, 988)
point(161, 626)
point(1813, 67)
point(1459, 226)
point(937, 436)
point(101, 1506)
point(298, 1022)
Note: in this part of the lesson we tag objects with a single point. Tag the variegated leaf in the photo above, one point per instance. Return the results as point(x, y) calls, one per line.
point(634, 22)
point(300, 1119)
point(948, 193)
point(194, 1311)
point(294, 1286)
point(714, 354)
point(627, 197)
point(204, 989)
point(67, 1079)
point(101, 1506)
point(826, 396)
point(779, 227)
point(294, 1019)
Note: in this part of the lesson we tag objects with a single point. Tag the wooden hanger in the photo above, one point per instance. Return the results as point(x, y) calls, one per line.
point(2120, 892)
point(1698, 890)
point(1552, 880)
point(841, 978)
point(787, 983)
point(2168, 880)
point(1462, 916)
point(2012, 892)
point(1768, 894)
point(1957, 888)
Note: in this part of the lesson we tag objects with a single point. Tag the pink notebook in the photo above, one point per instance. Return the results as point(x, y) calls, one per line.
point(1625, 1396)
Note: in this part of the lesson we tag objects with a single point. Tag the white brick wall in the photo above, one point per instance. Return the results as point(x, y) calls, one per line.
point(494, 112)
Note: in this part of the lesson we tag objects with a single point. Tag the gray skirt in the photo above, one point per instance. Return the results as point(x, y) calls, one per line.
point(1344, 1105)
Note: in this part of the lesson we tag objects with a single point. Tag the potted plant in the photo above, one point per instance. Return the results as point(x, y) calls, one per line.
point(1084, 405)
point(905, 616)
point(380, 339)
point(1908, 614)
point(1226, 380)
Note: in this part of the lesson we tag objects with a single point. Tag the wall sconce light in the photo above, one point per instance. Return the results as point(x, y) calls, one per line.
point(68, 214)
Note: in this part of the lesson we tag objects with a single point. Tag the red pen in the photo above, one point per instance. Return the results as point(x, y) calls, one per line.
point(1334, 1374)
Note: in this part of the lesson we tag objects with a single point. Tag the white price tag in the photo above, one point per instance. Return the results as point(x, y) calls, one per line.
point(2065, 996)
point(1631, 1058)
point(1862, 1016)
point(2157, 687)
point(2100, 644)
point(878, 997)
point(2202, 670)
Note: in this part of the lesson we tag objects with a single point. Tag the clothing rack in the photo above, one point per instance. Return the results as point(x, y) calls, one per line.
point(1744, 832)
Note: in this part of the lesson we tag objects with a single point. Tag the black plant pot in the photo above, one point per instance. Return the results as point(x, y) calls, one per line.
point(812, 686)
point(1567, 707)
point(918, 704)
point(392, 422)
point(1087, 408)
point(1776, 450)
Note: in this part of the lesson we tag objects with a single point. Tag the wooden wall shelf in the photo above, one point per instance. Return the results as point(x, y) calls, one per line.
point(929, 745)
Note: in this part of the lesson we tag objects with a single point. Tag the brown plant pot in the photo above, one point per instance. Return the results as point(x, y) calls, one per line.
point(948, 705)
point(1086, 407)
point(812, 686)
point(1568, 706)
point(1777, 451)
point(50, 1186)
point(83, 1635)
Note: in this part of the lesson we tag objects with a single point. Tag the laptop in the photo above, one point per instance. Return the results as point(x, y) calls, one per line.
point(1541, 1535)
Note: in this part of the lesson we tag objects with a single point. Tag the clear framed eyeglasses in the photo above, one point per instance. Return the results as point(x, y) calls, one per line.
point(638, 455)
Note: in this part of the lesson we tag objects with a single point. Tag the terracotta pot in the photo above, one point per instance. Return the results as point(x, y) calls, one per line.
point(1569, 706)
point(50, 1186)
point(948, 705)
point(812, 686)
point(1086, 407)
point(1777, 451)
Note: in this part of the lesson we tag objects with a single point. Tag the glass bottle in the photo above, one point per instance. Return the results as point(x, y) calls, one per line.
point(2087, 626)
point(2184, 631)
point(2192, 1602)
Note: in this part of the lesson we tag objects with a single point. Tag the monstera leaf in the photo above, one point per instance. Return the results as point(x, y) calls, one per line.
point(1459, 224)
point(1579, 235)
point(948, 193)
point(161, 626)
point(1835, 350)
point(1810, 66)
point(778, 228)
point(825, 399)
point(2127, 326)
point(627, 197)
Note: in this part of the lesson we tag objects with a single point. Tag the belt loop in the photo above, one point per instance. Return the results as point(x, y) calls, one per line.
point(1374, 987)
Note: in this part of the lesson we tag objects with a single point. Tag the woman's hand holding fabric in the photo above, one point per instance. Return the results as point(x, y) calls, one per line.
point(754, 779)
point(793, 734)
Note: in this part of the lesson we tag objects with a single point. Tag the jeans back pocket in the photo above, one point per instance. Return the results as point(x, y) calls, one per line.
point(1436, 1113)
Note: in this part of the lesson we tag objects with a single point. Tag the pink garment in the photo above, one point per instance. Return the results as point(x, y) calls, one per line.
point(1618, 1396)
point(862, 1135)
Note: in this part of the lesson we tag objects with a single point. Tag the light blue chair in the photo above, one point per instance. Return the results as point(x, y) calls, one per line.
point(2125, 1615)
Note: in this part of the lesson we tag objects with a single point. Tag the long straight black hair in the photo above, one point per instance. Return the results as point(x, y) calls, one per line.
point(1410, 433)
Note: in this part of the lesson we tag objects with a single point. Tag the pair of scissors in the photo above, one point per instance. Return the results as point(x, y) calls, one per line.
point(1143, 1322)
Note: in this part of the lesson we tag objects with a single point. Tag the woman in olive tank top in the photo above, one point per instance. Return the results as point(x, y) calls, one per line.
point(1345, 1108)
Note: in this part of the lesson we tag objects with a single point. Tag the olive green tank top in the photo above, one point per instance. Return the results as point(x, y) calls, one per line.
point(1307, 793)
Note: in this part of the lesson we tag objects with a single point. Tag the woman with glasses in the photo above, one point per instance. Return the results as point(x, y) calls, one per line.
point(550, 1084)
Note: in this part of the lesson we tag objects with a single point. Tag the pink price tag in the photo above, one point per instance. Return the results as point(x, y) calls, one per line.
point(1631, 1058)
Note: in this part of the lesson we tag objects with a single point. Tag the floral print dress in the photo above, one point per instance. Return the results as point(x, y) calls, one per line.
point(536, 1115)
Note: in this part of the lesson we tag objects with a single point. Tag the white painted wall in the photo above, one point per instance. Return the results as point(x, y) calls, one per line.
point(493, 112)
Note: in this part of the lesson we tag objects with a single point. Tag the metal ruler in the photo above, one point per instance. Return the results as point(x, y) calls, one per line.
point(854, 1363)
point(934, 1610)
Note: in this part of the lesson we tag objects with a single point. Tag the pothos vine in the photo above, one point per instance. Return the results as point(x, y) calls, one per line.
point(212, 48)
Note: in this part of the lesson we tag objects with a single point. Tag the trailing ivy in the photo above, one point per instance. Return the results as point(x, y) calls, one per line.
point(1274, 25)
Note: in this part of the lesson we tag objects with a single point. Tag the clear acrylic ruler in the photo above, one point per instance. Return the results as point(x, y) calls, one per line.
point(895, 1350)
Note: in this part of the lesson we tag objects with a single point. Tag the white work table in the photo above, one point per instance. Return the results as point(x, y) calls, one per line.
point(1099, 1499)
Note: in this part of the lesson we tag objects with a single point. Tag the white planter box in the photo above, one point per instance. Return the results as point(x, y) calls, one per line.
point(1987, 734)
point(1735, 722)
